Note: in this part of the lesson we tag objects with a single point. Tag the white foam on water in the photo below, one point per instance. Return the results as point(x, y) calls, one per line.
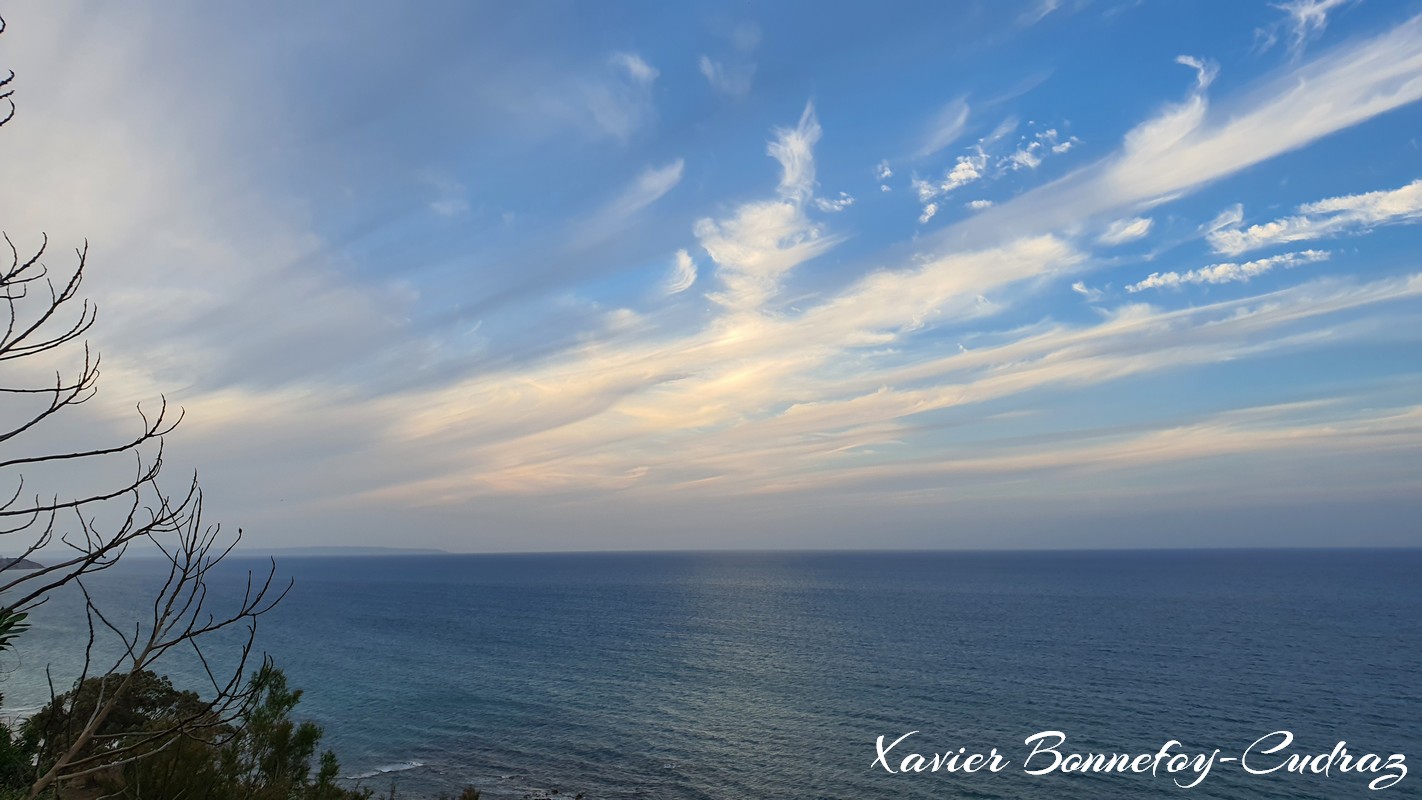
point(386, 769)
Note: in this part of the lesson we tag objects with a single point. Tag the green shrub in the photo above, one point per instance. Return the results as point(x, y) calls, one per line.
point(262, 754)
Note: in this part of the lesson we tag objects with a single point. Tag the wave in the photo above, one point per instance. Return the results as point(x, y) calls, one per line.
point(386, 769)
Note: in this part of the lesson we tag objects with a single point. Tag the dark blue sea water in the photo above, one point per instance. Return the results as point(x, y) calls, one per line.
point(771, 675)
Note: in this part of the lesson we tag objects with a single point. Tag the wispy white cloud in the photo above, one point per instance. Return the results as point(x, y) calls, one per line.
point(1228, 272)
point(647, 188)
point(967, 170)
point(1228, 218)
point(732, 80)
point(757, 245)
point(834, 204)
point(983, 163)
point(947, 125)
point(1025, 157)
point(1038, 11)
point(1154, 139)
point(604, 414)
point(1031, 151)
point(1205, 71)
point(1091, 295)
point(638, 70)
point(1262, 435)
point(794, 149)
point(733, 74)
point(621, 104)
point(1303, 20)
point(1003, 130)
point(882, 171)
point(1335, 216)
point(1125, 230)
point(683, 273)
point(978, 205)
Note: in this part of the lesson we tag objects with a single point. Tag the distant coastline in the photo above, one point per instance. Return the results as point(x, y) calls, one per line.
point(19, 563)
point(344, 551)
point(305, 552)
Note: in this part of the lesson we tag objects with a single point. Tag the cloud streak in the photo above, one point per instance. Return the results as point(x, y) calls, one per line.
point(719, 394)
point(1125, 230)
point(649, 187)
point(945, 129)
point(1228, 272)
point(1323, 219)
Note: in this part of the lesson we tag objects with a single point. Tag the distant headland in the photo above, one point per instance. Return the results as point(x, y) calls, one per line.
point(344, 551)
point(18, 563)
point(306, 552)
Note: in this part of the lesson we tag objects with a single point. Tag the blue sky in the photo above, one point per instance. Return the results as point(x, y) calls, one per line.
point(573, 276)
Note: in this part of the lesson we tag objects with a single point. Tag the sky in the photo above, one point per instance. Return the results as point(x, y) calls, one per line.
point(569, 276)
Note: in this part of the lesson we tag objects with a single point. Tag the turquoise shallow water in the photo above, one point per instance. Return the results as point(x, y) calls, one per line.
point(771, 675)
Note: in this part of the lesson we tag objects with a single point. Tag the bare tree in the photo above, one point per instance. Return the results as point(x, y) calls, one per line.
point(80, 529)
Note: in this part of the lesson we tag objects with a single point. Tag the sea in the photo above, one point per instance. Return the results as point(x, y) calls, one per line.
point(691, 676)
